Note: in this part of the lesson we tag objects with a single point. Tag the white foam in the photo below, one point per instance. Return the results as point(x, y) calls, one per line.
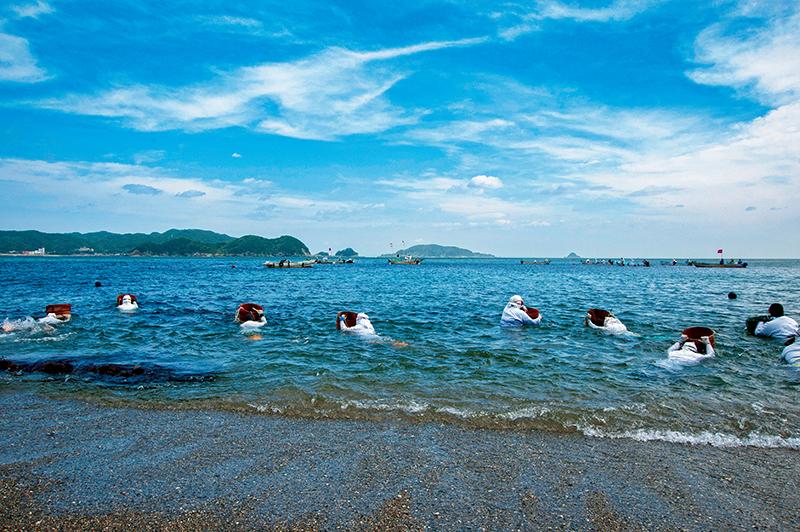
point(715, 439)
point(530, 412)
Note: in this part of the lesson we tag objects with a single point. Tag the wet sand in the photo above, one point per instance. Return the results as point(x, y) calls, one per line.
point(73, 465)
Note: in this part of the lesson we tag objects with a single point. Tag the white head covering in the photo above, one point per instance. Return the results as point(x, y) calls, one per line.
point(126, 299)
point(516, 301)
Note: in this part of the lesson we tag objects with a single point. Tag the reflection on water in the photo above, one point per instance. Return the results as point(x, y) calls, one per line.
point(459, 365)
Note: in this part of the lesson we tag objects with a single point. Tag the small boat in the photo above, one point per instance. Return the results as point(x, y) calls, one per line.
point(718, 265)
point(542, 262)
point(345, 261)
point(405, 260)
point(323, 261)
point(289, 264)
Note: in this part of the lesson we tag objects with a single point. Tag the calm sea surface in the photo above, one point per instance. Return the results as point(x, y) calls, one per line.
point(459, 365)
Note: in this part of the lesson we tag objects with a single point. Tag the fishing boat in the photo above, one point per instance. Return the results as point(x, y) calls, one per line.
point(408, 259)
point(290, 264)
point(542, 262)
point(717, 265)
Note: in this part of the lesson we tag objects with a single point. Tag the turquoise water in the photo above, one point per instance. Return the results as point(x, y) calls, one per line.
point(459, 365)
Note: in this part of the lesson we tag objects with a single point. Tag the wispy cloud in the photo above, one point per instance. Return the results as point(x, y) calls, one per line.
point(17, 62)
point(334, 93)
point(32, 10)
point(191, 194)
point(144, 190)
point(765, 63)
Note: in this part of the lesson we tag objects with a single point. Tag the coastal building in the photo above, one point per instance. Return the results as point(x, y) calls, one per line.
point(39, 251)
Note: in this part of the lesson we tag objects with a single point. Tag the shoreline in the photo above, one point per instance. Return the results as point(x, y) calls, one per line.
point(73, 464)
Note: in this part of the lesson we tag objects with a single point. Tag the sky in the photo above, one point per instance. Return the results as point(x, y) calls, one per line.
point(609, 128)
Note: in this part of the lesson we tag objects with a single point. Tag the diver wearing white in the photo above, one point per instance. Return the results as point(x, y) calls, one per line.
point(128, 304)
point(362, 326)
point(688, 351)
point(514, 314)
point(780, 327)
point(791, 353)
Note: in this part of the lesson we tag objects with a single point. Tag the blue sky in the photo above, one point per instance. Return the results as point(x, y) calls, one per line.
point(609, 128)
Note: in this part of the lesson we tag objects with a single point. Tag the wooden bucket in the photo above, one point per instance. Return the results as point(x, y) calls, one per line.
point(695, 333)
point(532, 312)
point(349, 318)
point(61, 309)
point(598, 316)
point(249, 312)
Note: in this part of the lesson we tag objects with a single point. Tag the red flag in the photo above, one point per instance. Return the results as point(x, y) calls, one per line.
point(719, 250)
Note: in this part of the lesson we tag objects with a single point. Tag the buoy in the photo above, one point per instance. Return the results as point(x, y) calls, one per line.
point(731, 295)
point(598, 316)
point(349, 319)
point(60, 311)
point(250, 315)
point(127, 302)
point(695, 333)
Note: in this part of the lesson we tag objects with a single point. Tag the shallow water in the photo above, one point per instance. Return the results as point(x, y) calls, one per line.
point(459, 366)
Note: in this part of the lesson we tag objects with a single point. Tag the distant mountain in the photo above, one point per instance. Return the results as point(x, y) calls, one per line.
point(573, 255)
point(347, 252)
point(437, 251)
point(172, 242)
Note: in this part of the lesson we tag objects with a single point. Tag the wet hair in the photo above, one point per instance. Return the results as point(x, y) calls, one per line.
point(731, 295)
point(98, 284)
point(776, 310)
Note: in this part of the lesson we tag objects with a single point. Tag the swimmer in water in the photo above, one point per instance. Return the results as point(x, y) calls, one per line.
point(611, 324)
point(691, 351)
point(515, 315)
point(127, 303)
point(250, 316)
point(362, 326)
point(791, 353)
point(779, 326)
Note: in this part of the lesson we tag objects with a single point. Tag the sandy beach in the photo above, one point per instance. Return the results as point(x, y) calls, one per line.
point(74, 465)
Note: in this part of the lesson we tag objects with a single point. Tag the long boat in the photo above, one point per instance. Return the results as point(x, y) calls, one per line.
point(713, 265)
point(542, 262)
point(290, 264)
point(405, 260)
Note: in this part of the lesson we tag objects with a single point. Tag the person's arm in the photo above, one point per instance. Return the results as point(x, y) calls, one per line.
point(525, 319)
point(709, 348)
point(762, 329)
point(675, 347)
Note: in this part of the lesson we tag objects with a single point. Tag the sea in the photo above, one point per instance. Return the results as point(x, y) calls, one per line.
point(440, 354)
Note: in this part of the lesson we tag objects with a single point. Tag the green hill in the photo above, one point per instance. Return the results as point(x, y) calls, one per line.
point(347, 252)
point(437, 251)
point(172, 242)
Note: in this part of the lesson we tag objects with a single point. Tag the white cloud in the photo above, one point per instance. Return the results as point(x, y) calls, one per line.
point(765, 62)
point(227, 20)
point(40, 7)
point(333, 93)
point(615, 10)
point(486, 181)
point(16, 61)
point(236, 155)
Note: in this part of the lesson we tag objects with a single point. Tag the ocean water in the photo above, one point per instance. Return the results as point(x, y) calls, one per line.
point(459, 365)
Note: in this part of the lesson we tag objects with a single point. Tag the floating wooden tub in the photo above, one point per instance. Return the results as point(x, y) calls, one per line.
point(598, 316)
point(120, 296)
point(753, 322)
point(249, 312)
point(695, 333)
point(532, 312)
point(349, 318)
point(60, 310)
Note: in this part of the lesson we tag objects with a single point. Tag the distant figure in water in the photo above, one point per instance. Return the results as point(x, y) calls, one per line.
point(98, 284)
point(779, 326)
point(362, 326)
point(731, 295)
point(127, 303)
point(691, 351)
point(791, 353)
point(609, 323)
point(515, 314)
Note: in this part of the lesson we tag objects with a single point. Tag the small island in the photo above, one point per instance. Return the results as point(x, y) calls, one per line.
point(346, 253)
point(436, 251)
point(572, 255)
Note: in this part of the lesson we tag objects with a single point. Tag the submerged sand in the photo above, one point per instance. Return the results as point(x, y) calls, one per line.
point(74, 465)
